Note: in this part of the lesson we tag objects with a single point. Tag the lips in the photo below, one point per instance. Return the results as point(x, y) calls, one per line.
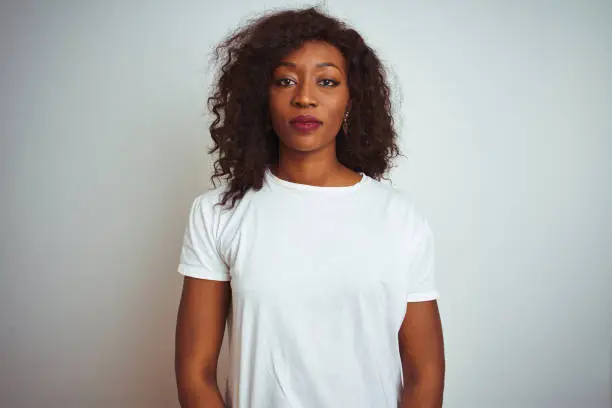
point(305, 123)
point(306, 119)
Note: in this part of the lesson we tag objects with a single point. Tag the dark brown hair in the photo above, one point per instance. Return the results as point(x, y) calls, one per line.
point(242, 131)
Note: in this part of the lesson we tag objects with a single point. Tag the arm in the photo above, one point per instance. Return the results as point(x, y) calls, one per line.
point(422, 353)
point(200, 326)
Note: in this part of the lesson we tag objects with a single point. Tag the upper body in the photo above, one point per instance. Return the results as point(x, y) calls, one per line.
point(325, 273)
point(320, 278)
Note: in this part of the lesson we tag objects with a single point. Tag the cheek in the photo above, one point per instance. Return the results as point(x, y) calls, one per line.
point(337, 110)
point(275, 104)
point(277, 114)
point(337, 102)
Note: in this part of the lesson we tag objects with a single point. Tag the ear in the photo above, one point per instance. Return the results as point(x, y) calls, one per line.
point(348, 106)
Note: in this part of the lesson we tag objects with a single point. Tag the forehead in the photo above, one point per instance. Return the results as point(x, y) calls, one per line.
point(315, 52)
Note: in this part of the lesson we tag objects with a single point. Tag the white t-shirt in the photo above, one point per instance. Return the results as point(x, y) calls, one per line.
point(320, 277)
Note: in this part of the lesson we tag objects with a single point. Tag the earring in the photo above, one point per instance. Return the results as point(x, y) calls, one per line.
point(345, 124)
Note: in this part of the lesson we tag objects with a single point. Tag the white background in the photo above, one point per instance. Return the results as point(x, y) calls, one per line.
point(506, 122)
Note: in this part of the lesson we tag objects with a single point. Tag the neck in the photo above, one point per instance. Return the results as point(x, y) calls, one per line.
point(314, 169)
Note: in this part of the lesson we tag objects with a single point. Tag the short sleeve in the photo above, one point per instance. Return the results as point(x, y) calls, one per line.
point(421, 285)
point(199, 254)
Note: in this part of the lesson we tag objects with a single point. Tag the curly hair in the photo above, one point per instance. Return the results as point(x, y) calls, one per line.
point(242, 131)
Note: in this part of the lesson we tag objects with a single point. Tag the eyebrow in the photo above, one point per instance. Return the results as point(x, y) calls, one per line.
point(319, 65)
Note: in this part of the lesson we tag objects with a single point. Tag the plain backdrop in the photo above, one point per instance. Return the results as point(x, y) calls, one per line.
point(505, 121)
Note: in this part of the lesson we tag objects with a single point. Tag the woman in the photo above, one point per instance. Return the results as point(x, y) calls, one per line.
point(324, 273)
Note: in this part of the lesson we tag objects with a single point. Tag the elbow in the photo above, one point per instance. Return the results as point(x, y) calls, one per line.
point(424, 387)
point(192, 376)
point(431, 375)
point(428, 379)
point(197, 386)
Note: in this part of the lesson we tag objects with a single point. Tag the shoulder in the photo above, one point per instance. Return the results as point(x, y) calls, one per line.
point(209, 199)
point(401, 204)
point(207, 207)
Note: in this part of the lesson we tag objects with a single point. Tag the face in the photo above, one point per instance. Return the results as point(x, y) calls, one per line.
point(308, 97)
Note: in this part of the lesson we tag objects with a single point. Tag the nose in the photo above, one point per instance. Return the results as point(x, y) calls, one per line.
point(303, 96)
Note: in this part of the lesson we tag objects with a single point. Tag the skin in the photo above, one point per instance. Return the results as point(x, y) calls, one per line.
point(311, 80)
point(202, 315)
point(421, 347)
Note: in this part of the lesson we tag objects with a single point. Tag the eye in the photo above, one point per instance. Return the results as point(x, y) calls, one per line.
point(329, 83)
point(283, 82)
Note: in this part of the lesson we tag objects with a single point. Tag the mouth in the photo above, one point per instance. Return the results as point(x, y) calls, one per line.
point(305, 123)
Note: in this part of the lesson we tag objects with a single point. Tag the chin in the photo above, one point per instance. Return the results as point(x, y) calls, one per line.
point(305, 143)
point(305, 147)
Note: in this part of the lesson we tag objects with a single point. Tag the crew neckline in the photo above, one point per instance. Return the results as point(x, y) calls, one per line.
point(308, 187)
